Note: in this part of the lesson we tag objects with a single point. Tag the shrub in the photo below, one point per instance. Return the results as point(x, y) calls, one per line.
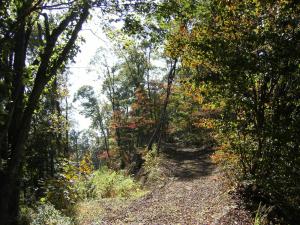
point(70, 184)
point(26, 214)
point(46, 214)
point(151, 159)
point(152, 166)
point(108, 183)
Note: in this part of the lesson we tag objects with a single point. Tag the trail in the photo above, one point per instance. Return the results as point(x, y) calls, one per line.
point(195, 193)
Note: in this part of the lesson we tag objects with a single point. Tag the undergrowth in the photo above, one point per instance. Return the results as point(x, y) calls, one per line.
point(78, 188)
point(108, 187)
point(152, 167)
point(108, 183)
point(44, 214)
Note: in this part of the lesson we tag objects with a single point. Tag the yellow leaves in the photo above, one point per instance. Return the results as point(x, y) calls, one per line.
point(61, 190)
point(86, 166)
point(177, 42)
point(209, 107)
point(231, 7)
point(128, 44)
point(134, 106)
point(207, 123)
point(71, 176)
point(198, 98)
point(285, 2)
point(189, 90)
point(193, 61)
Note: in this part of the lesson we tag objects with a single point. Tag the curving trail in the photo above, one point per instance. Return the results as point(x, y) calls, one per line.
point(194, 193)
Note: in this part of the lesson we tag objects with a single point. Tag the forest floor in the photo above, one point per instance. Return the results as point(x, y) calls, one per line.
point(193, 192)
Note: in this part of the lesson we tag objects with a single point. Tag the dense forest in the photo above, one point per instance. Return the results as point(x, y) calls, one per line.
point(218, 76)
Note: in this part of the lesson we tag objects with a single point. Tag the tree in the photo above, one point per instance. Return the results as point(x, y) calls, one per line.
point(127, 86)
point(156, 136)
point(47, 141)
point(35, 45)
point(249, 52)
point(93, 110)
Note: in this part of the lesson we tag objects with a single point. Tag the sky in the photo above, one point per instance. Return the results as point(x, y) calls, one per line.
point(81, 72)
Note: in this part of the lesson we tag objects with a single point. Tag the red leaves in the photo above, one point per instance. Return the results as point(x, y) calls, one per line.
point(132, 126)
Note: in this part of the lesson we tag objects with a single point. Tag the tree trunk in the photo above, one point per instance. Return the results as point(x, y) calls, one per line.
point(11, 175)
point(157, 133)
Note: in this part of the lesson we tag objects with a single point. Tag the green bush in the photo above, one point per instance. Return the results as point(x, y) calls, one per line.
point(151, 159)
point(46, 214)
point(109, 184)
point(152, 166)
point(70, 184)
point(84, 188)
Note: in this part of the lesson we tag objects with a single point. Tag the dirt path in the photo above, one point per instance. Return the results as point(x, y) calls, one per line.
point(194, 193)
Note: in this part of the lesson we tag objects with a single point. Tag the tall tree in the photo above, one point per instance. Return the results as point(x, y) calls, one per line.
point(26, 68)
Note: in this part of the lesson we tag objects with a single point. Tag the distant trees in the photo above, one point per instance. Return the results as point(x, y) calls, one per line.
point(93, 110)
point(132, 104)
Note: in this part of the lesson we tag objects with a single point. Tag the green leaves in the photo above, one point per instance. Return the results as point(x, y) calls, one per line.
point(132, 25)
point(248, 52)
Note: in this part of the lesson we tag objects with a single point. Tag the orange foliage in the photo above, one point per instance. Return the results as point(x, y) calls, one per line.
point(223, 154)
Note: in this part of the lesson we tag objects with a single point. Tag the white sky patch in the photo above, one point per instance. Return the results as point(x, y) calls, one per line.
point(82, 73)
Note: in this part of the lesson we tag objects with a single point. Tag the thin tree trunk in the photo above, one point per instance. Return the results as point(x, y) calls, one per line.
point(156, 135)
point(67, 130)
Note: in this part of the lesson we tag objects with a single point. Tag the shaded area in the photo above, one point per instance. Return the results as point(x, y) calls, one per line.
point(189, 162)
